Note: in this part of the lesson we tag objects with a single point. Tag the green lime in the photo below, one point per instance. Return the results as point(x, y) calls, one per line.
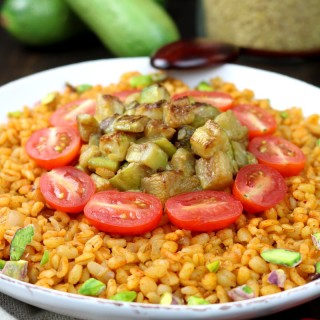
point(39, 22)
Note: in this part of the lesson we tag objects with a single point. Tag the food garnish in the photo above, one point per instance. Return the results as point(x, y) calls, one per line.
point(92, 287)
point(283, 257)
point(21, 239)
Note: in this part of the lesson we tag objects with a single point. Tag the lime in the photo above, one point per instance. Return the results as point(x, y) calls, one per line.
point(39, 23)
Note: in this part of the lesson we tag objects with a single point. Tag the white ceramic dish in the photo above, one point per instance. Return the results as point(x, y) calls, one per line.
point(283, 91)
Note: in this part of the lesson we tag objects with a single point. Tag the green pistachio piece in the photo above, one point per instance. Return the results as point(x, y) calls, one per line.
point(142, 80)
point(204, 86)
point(282, 256)
point(15, 114)
point(92, 287)
point(20, 240)
point(83, 87)
point(213, 266)
point(192, 301)
point(45, 258)
point(126, 296)
point(49, 98)
point(318, 267)
point(284, 115)
point(2, 263)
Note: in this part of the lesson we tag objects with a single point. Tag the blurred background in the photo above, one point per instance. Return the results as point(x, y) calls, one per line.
point(281, 36)
point(260, 25)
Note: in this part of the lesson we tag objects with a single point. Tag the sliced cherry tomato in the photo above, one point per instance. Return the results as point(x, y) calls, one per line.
point(128, 213)
point(220, 100)
point(259, 187)
point(278, 153)
point(67, 189)
point(203, 211)
point(54, 147)
point(258, 121)
point(67, 114)
point(123, 95)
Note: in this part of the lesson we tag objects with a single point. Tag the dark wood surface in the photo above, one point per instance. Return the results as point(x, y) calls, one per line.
point(17, 61)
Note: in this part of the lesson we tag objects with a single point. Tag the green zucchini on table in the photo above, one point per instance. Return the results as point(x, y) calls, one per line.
point(127, 27)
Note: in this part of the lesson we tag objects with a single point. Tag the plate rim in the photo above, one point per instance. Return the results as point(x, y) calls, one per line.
point(208, 310)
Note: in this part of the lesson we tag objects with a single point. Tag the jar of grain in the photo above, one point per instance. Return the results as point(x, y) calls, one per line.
point(284, 26)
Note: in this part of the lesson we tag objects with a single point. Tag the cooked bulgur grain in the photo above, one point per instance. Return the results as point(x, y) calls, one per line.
point(167, 259)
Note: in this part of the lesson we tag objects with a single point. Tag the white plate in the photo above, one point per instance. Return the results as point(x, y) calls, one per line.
point(283, 91)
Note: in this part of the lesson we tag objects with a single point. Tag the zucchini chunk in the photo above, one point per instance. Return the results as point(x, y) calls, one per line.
point(107, 106)
point(129, 176)
point(148, 154)
point(158, 128)
point(209, 139)
point(87, 125)
point(235, 131)
point(169, 183)
point(178, 113)
point(183, 160)
point(130, 123)
point(114, 145)
point(154, 93)
point(215, 173)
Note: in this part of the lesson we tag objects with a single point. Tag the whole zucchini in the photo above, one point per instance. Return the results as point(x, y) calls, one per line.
point(127, 27)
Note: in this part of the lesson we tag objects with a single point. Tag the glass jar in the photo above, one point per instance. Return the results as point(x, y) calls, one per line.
point(279, 26)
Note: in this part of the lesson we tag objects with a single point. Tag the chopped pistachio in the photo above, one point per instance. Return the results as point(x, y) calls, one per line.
point(15, 114)
point(126, 296)
point(284, 115)
point(318, 267)
point(318, 142)
point(277, 277)
point(204, 86)
point(16, 269)
point(45, 258)
point(283, 257)
point(213, 266)
point(240, 293)
point(21, 239)
point(92, 287)
point(316, 240)
point(169, 299)
point(192, 301)
point(49, 98)
point(2, 263)
point(83, 87)
point(142, 80)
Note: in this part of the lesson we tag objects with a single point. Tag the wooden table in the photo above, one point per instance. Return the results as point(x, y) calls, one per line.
point(17, 61)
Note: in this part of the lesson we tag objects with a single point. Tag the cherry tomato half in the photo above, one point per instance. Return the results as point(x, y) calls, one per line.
point(67, 189)
point(220, 100)
point(128, 213)
point(278, 153)
point(123, 95)
point(258, 121)
point(259, 187)
point(53, 147)
point(67, 114)
point(203, 211)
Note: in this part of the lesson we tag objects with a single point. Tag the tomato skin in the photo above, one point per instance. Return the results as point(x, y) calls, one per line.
point(259, 187)
point(67, 189)
point(258, 121)
point(54, 147)
point(222, 101)
point(203, 211)
point(67, 115)
point(279, 154)
point(108, 211)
